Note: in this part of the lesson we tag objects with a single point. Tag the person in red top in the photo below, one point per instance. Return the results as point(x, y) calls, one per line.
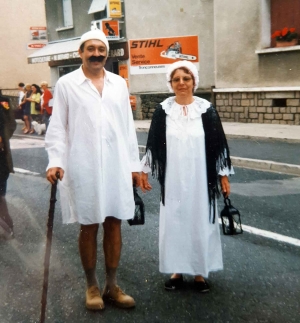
point(46, 108)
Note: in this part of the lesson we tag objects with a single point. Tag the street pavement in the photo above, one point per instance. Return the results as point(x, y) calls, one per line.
point(260, 281)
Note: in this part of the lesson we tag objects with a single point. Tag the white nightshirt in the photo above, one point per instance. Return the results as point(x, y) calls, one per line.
point(92, 137)
point(188, 242)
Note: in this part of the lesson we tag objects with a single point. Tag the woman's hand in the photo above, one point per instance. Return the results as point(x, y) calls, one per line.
point(225, 185)
point(145, 186)
point(136, 181)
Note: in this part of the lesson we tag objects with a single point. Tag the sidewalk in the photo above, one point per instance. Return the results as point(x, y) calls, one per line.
point(253, 131)
point(256, 131)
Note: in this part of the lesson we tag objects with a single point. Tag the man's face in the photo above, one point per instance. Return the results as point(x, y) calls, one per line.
point(94, 55)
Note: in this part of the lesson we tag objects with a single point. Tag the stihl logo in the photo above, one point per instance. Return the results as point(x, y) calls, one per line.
point(146, 43)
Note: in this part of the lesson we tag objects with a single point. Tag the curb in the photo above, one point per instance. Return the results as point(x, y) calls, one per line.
point(266, 165)
point(28, 136)
point(258, 138)
point(257, 164)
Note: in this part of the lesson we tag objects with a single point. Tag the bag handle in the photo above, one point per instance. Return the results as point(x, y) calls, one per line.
point(227, 201)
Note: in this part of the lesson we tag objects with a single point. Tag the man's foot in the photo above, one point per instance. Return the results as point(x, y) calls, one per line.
point(6, 234)
point(174, 283)
point(201, 286)
point(118, 297)
point(93, 299)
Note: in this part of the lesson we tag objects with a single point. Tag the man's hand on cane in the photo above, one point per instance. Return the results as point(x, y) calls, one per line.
point(52, 174)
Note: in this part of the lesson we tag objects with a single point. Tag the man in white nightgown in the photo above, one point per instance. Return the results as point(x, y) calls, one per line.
point(91, 142)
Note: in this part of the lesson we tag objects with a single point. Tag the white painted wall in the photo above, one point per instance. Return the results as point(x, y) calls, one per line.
point(17, 16)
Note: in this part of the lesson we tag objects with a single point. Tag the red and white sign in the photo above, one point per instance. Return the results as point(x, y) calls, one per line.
point(38, 33)
point(36, 45)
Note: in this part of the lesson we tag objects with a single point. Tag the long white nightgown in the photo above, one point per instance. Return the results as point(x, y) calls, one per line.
point(188, 242)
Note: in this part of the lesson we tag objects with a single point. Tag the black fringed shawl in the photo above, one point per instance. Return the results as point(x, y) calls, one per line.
point(216, 147)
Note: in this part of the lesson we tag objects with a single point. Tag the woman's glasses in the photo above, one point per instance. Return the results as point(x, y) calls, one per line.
point(184, 79)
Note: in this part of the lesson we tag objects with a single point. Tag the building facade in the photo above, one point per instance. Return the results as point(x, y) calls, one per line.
point(22, 32)
point(241, 70)
point(256, 81)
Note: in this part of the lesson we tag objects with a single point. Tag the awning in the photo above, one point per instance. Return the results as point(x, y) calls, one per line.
point(56, 52)
point(97, 5)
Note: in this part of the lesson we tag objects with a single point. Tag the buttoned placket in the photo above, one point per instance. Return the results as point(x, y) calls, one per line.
point(101, 138)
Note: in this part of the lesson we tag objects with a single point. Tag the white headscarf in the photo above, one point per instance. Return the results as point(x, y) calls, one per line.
point(94, 34)
point(190, 66)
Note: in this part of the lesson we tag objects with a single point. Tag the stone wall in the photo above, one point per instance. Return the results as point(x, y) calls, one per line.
point(259, 107)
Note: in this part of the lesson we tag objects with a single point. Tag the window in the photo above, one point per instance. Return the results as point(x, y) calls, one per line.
point(67, 13)
point(63, 70)
point(284, 13)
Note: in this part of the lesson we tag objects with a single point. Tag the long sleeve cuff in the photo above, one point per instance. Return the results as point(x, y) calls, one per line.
point(55, 162)
point(146, 162)
point(226, 171)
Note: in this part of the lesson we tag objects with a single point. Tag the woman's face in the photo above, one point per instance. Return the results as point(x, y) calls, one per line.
point(33, 89)
point(182, 83)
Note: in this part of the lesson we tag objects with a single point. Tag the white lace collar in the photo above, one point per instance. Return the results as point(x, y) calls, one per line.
point(195, 109)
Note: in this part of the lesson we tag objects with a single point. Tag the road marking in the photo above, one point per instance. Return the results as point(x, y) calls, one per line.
point(25, 171)
point(23, 143)
point(270, 235)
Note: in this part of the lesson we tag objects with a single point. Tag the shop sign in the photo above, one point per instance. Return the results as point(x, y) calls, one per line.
point(55, 57)
point(38, 33)
point(154, 55)
point(111, 29)
point(119, 50)
point(123, 71)
point(114, 9)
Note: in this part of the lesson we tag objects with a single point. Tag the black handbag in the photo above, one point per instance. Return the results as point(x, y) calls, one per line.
point(231, 219)
point(139, 212)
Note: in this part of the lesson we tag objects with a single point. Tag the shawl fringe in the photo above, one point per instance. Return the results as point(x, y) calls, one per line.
point(216, 147)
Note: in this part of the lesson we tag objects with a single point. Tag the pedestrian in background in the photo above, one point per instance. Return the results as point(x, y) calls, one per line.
point(46, 97)
point(35, 99)
point(91, 142)
point(7, 128)
point(21, 88)
point(21, 93)
point(26, 106)
point(188, 153)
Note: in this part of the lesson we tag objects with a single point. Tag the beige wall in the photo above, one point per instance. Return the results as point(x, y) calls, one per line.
point(155, 18)
point(237, 36)
point(17, 16)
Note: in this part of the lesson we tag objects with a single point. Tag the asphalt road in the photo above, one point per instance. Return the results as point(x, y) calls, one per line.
point(260, 281)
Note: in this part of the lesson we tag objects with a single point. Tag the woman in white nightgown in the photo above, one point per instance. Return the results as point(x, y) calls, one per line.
point(189, 240)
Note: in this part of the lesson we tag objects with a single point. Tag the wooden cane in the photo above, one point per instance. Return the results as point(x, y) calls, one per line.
point(48, 249)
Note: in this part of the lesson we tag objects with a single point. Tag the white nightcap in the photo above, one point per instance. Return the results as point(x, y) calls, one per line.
point(190, 66)
point(94, 34)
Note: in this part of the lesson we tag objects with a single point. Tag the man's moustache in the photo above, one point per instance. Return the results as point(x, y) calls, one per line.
point(97, 58)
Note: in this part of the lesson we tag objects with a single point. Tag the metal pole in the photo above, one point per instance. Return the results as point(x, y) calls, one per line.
point(48, 251)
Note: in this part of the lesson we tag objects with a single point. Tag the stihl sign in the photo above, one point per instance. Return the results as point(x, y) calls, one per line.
point(149, 56)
